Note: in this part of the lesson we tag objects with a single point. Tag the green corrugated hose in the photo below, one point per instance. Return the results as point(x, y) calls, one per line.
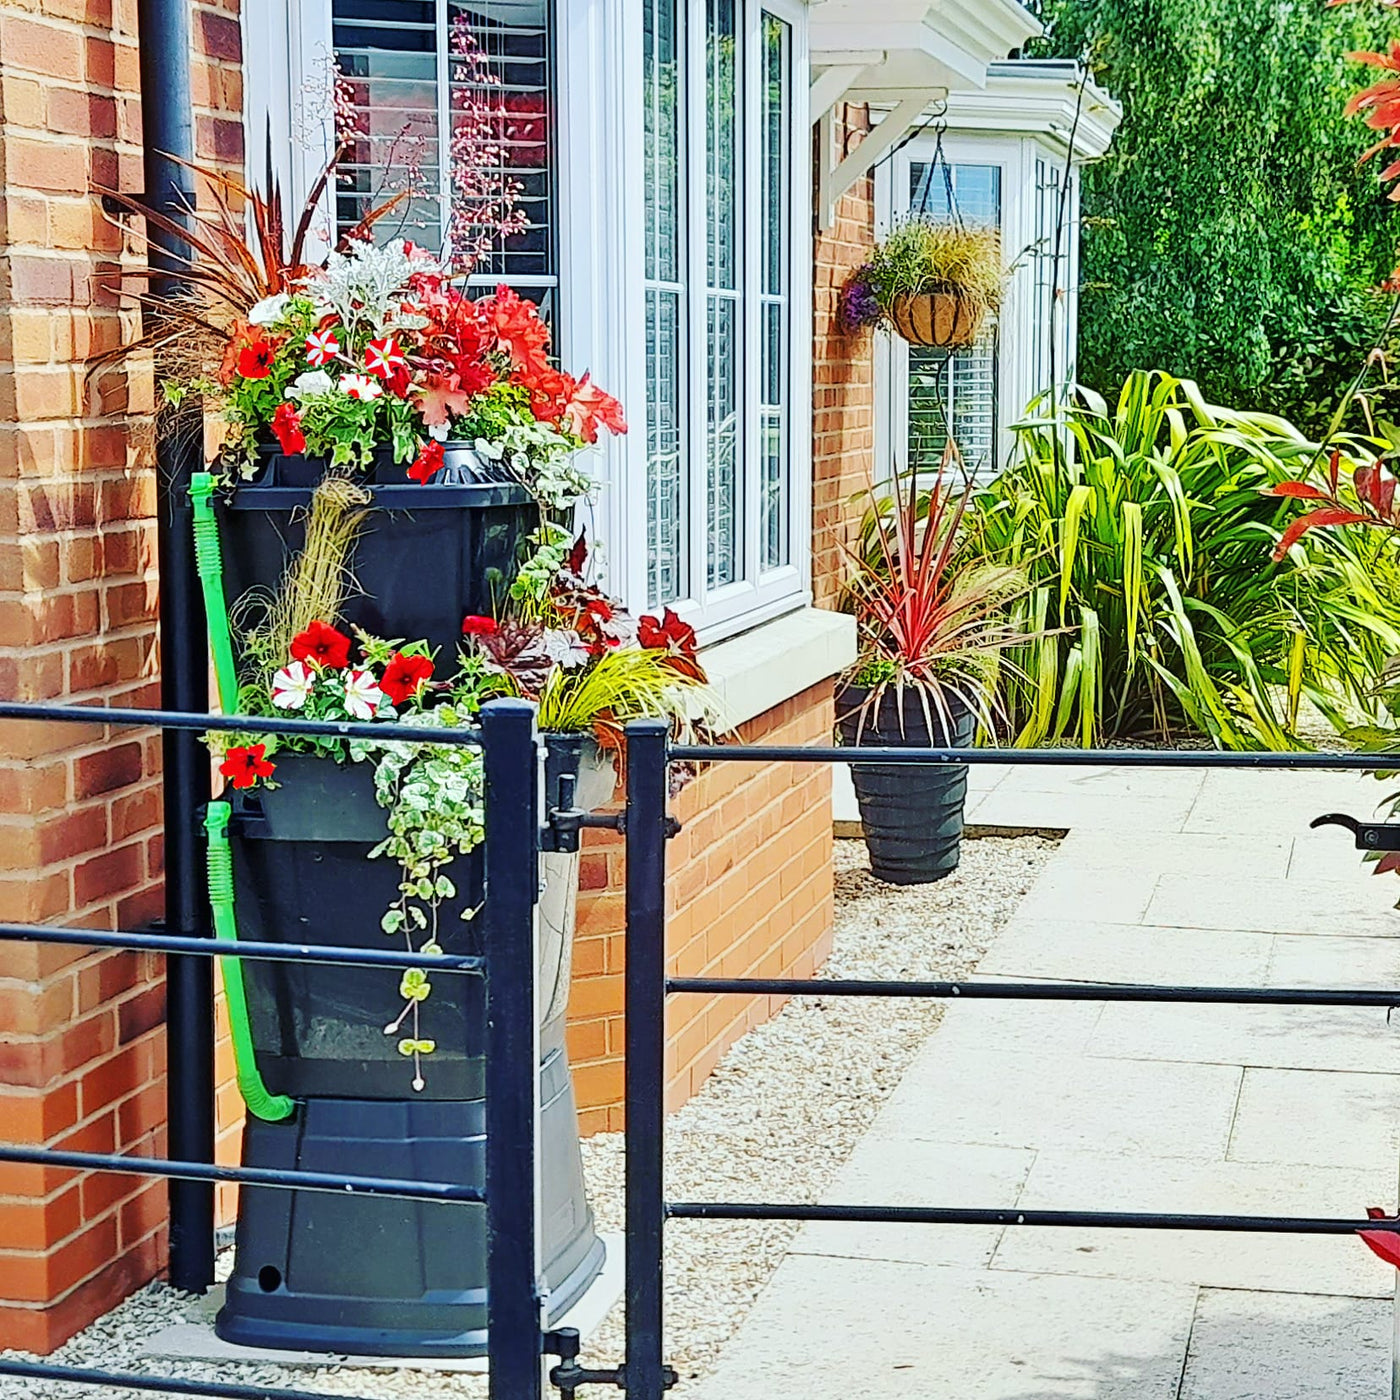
point(270, 1107)
point(209, 560)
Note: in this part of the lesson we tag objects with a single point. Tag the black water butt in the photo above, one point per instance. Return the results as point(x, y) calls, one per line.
point(912, 815)
point(427, 555)
point(363, 1276)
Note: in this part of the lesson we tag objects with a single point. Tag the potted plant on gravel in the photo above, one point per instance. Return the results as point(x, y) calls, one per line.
point(933, 281)
point(353, 842)
point(931, 630)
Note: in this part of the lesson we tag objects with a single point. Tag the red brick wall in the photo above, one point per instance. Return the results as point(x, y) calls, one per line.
point(749, 893)
point(83, 1054)
point(843, 379)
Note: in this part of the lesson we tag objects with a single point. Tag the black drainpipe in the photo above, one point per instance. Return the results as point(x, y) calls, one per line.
point(167, 124)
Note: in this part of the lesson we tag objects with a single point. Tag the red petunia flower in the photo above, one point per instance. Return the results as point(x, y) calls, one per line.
point(404, 676)
point(321, 348)
point(428, 461)
point(383, 357)
point(322, 645)
point(477, 626)
point(256, 355)
point(286, 423)
point(245, 764)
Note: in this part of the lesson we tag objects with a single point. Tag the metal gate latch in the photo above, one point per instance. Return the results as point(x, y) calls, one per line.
point(566, 821)
point(1370, 836)
point(568, 1375)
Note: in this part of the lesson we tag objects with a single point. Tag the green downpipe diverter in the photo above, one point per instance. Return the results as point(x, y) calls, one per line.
point(272, 1108)
point(209, 560)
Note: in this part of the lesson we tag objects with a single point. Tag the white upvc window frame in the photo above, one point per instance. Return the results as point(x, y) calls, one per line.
point(1019, 323)
point(600, 307)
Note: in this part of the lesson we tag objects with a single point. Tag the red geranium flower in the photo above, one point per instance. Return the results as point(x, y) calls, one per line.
point(476, 626)
point(404, 676)
point(245, 764)
point(322, 645)
point(428, 461)
point(286, 423)
point(255, 357)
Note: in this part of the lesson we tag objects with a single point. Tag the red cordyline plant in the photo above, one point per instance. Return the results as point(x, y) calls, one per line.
point(925, 617)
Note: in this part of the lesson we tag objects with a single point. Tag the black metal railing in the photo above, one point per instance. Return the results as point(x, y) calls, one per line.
point(644, 1374)
point(513, 818)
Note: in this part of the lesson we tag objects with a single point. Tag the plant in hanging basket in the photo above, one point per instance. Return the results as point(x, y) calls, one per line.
point(934, 282)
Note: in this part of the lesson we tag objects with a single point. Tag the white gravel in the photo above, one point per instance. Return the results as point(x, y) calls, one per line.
point(778, 1117)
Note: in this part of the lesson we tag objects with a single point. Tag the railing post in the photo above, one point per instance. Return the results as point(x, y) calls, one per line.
point(513, 783)
point(646, 1053)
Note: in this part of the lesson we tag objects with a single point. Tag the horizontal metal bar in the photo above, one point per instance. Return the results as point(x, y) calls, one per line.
point(1031, 758)
point(252, 950)
point(1039, 991)
point(168, 1385)
point(247, 1176)
point(1073, 1219)
point(239, 724)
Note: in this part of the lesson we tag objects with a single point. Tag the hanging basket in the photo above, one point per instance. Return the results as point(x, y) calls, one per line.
point(943, 320)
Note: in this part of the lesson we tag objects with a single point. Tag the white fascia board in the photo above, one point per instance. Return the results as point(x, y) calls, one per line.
point(1043, 105)
point(913, 55)
point(988, 29)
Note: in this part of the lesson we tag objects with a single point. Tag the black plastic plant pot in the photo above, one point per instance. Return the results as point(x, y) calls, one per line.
point(912, 815)
point(427, 555)
point(318, 1272)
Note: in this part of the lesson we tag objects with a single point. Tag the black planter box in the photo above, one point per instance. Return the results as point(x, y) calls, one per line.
point(361, 1276)
point(365, 1276)
point(428, 554)
point(912, 816)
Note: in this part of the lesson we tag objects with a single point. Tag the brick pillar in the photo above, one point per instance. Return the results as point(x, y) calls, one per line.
point(82, 1050)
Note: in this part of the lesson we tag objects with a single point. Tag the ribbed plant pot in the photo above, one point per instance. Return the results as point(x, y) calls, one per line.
point(364, 1276)
point(911, 814)
point(940, 320)
point(427, 555)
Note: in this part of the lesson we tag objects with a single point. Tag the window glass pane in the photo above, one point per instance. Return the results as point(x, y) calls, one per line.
point(497, 104)
point(776, 203)
point(957, 390)
point(662, 67)
point(724, 171)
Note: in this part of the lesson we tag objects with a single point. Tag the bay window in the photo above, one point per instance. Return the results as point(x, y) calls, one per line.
point(662, 161)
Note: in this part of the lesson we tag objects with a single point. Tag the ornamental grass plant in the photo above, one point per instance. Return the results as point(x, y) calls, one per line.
point(1157, 610)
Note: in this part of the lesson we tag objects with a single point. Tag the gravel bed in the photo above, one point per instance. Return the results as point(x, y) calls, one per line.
point(779, 1116)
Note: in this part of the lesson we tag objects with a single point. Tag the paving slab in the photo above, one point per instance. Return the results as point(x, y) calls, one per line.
point(1076, 950)
point(1040, 1100)
point(1280, 1037)
point(1012, 807)
point(1119, 895)
point(866, 1330)
point(914, 1172)
point(1299, 960)
point(1035, 1027)
point(1270, 803)
point(1177, 852)
point(1106, 1180)
point(1270, 1346)
point(1302, 1118)
point(1337, 908)
point(1330, 854)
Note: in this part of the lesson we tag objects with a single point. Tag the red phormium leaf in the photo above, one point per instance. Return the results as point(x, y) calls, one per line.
point(1314, 519)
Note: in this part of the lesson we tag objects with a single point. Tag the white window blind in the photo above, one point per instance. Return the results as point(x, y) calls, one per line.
point(412, 86)
point(957, 389)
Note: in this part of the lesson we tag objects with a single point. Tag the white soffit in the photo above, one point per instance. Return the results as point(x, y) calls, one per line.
point(898, 56)
point(1039, 97)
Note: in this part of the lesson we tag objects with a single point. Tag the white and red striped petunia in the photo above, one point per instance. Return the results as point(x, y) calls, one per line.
point(321, 347)
point(383, 357)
